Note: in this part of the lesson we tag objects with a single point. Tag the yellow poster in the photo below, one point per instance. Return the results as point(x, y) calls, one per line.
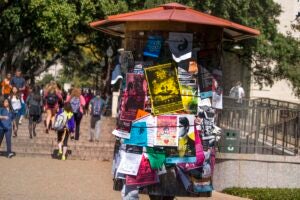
point(164, 88)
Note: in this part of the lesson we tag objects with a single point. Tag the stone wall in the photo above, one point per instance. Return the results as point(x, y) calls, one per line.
point(254, 170)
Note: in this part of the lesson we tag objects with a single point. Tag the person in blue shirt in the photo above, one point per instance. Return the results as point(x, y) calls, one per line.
point(6, 119)
point(18, 81)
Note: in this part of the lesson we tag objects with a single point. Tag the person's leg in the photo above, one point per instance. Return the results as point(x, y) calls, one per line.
point(8, 141)
point(65, 145)
point(33, 128)
point(59, 142)
point(30, 126)
point(78, 117)
point(48, 119)
point(1, 136)
point(16, 124)
point(97, 130)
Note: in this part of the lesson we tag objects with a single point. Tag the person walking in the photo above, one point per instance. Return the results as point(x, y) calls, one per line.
point(16, 104)
point(52, 97)
point(34, 104)
point(19, 82)
point(6, 119)
point(96, 108)
point(64, 125)
point(237, 92)
point(6, 87)
point(77, 102)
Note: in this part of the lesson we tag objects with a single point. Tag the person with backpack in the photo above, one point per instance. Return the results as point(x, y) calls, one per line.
point(64, 126)
point(6, 119)
point(52, 96)
point(16, 104)
point(34, 104)
point(77, 102)
point(96, 108)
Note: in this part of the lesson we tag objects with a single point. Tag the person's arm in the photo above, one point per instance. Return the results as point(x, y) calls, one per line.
point(68, 98)
point(3, 117)
point(82, 101)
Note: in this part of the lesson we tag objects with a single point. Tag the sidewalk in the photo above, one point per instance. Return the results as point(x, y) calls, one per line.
point(49, 179)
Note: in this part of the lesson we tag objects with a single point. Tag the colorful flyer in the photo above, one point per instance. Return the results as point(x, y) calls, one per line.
point(164, 88)
point(145, 176)
point(189, 91)
point(134, 96)
point(166, 131)
point(138, 134)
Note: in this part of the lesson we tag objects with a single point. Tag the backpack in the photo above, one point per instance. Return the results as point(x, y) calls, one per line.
point(60, 122)
point(97, 107)
point(51, 99)
point(75, 104)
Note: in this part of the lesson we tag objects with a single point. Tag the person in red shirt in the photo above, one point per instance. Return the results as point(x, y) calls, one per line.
point(6, 87)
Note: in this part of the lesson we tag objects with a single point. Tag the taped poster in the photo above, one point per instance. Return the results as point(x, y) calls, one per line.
point(164, 88)
point(121, 134)
point(150, 121)
point(153, 46)
point(206, 83)
point(138, 134)
point(134, 96)
point(145, 176)
point(130, 163)
point(166, 131)
point(189, 91)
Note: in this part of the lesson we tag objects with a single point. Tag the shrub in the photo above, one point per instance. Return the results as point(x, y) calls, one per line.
point(265, 193)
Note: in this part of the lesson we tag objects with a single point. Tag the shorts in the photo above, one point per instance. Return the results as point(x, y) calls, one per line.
point(34, 118)
point(60, 135)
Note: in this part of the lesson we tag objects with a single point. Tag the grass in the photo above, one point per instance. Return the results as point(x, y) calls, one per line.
point(265, 193)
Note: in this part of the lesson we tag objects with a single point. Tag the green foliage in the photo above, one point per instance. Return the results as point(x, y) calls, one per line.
point(265, 193)
point(36, 33)
point(46, 79)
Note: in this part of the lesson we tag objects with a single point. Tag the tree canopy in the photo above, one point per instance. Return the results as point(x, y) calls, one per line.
point(36, 33)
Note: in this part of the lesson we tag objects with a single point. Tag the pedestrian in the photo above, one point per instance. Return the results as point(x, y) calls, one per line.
point(52, 96)
point(237, 92)
point(16, 104)
point(6, 87)
point(88, 96)
point(77, 102)
point(34, 104)
point(19, 82)
point(6, 119)
point(64, 125)
point(96, 108)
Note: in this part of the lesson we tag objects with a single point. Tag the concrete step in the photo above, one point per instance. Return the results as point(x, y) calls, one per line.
point(45, 144)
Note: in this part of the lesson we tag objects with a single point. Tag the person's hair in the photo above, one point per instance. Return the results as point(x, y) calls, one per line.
point(238, 83)
point(76, 92)
point(68, 107)
point(51, 87)
point(18, 94)
point(36, 93)
point(9, 103)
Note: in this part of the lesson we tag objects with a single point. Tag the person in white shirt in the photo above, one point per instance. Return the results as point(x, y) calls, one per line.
point(237, 92)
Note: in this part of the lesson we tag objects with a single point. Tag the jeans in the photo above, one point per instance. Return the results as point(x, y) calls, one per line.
point(7, 133)
point(95, 132)
point(77, 118)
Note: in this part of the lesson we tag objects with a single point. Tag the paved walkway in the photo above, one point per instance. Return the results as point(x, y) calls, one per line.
point(49, 179)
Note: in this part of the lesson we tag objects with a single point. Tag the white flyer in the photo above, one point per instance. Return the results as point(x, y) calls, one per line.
point(121, 134)
point(130, 163)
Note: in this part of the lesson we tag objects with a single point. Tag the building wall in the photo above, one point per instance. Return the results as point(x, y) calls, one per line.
point(253, 170)
point(53, 70)
point(281, 90)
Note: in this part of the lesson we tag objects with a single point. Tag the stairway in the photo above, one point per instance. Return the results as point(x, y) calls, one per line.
point(45, 145)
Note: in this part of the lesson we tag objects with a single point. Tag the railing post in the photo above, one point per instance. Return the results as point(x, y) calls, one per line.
point(297, 135)
point(257, 123)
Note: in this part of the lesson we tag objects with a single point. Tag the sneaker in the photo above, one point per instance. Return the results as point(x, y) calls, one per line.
point(63, 158)
point(59, 153)
point(10, 155)
point(47, 131)
point(91, 140)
